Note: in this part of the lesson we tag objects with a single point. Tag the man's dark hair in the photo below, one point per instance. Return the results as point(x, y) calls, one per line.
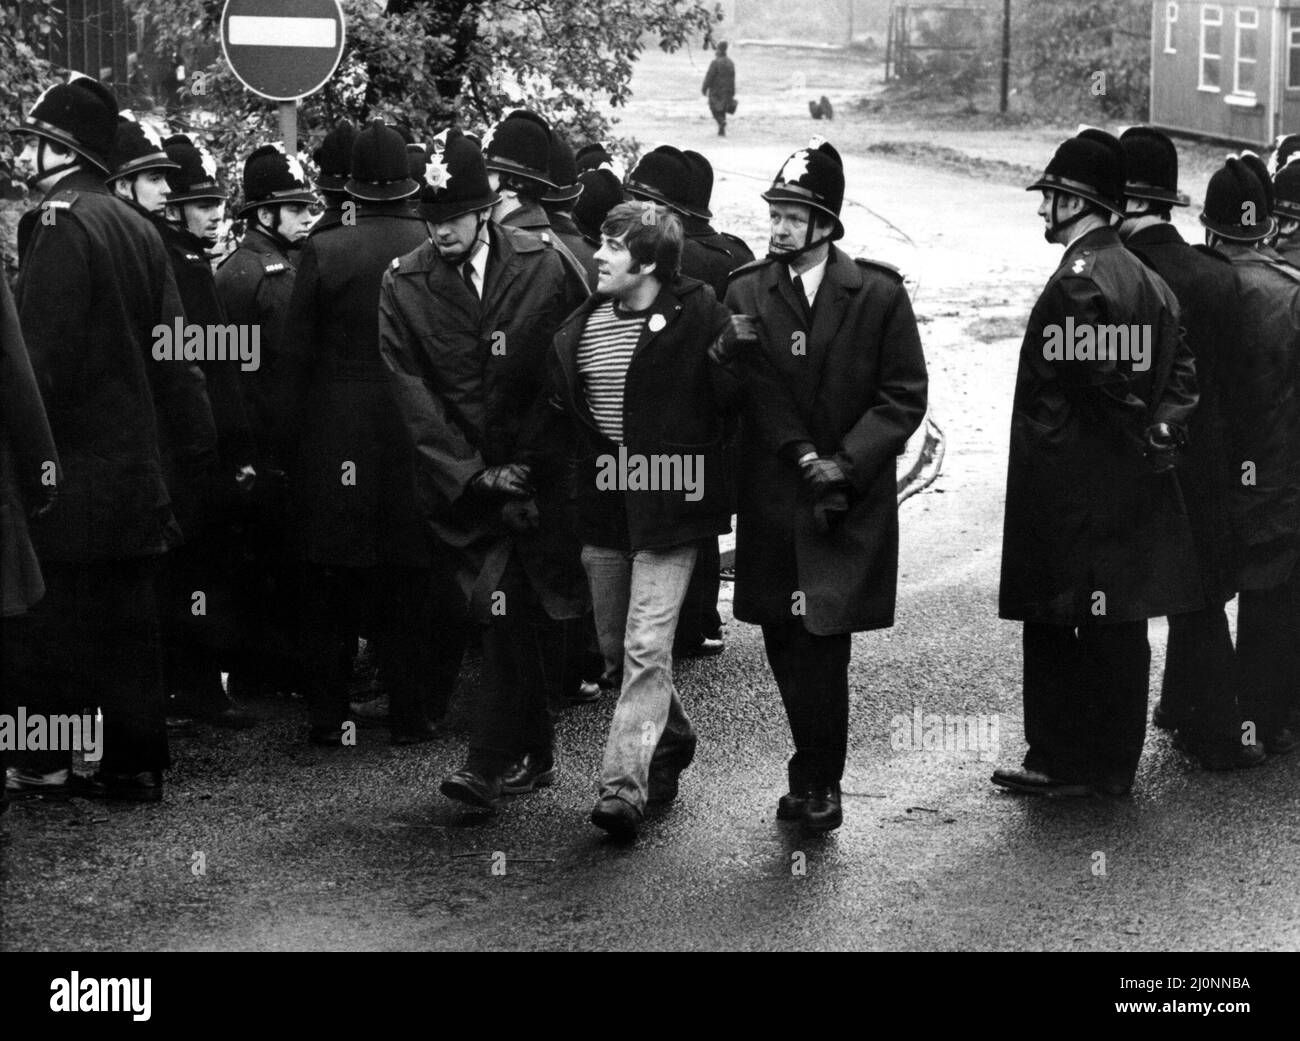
point(654, 236)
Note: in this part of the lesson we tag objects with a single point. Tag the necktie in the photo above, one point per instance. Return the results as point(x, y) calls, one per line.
point(467, 273)
point(803, 297)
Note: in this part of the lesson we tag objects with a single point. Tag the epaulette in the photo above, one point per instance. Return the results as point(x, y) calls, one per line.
point(753, 265)
point(277, 267)
point(1210, 251)
point(191, 257)
point(879, 265)
point(418, 260)
point(1284, 266)
point(525, 241)
point(1081, 264)
point(736, 239)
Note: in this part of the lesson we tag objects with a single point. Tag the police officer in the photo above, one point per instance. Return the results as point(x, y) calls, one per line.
point(139, 165)
point(334, 161)
point(1260, 375)
point(560, 201)
point(601, 192)
point(94, 284)
point(361, 536)
point(201, 643)
point(255, 283)
point(1199, 688)
point(518, 153)
point(1096, 540)
point(1286, 209)
point(837, 384)
point(696, 215)
point(465, 322)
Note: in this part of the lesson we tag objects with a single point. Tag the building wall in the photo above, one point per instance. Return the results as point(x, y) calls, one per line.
point(1182, 94)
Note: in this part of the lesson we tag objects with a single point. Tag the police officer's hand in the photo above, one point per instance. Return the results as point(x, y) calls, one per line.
point(509, 481)
point(822, 476)
point(520, 517)
point(1163, 447)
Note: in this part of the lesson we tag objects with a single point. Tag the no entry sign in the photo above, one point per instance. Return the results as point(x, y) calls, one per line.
point(282, 49)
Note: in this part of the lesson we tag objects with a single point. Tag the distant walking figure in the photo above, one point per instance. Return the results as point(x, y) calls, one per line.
point(720, 87)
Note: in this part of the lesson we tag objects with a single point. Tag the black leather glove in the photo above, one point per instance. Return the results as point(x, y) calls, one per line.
point(829, 511)
point(1163, 447)
point(508, 481)
point(521, 516)
point(822, 475)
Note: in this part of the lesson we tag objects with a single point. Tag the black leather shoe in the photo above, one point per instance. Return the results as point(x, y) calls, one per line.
point(146, 786)
point(531, 772)
point(465, 786)
point(1221, 755)
point(1032, 782)
point(414, 735)
point(1280, 742)
point(621, 819)
point(21, 784)
point(1164, 719)
point(372, 713)
point(790, 806)
point(821, 810)
point(325, 737)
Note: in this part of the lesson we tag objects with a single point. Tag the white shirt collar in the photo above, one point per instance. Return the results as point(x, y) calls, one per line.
point(812, 278)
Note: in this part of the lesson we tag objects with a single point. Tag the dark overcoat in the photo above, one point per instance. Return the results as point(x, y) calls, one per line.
point(720, 83)
point(1091, 533)
point(94, 284)
point(1206, 288)
point(354, 468)
point(676, 401)
point(853, 386)
point(1262, 394)
point(465, 374)
point(28, 464)
point(255, 283)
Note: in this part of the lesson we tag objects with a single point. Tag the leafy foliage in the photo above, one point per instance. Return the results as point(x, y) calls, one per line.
point(1059, 48)
point(428, 64)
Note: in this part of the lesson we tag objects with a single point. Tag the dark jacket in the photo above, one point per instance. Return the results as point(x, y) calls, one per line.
point(1206, 289)
point(710, 255)
point(531, 216)
point(465, 375)
point(95, 283)
point(675, 404)
point(1085, 513)
point(854, 387)
point(29, 464)
point(1261, 383)
point(582, 249)
point(720, 83)
point(355, 470)
point(255, 283)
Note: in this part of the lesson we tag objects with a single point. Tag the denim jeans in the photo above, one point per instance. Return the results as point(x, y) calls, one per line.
point(637, 597)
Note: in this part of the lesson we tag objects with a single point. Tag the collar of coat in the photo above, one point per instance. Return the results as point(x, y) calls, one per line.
point(80, 180)
point(258, 241)
point(1162, 234)
point(507, 246)
point(667, 306)
point(1098, 238)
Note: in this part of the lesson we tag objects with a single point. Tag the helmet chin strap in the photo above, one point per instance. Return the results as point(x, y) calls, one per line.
point(1057, 226)
point(43, 171)
point(274, 231)
point(789, 256)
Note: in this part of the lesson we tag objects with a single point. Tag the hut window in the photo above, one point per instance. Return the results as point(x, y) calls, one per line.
point(1293, 50)
point(1247, 44)
point(1171, 20)
point(1211, 46)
